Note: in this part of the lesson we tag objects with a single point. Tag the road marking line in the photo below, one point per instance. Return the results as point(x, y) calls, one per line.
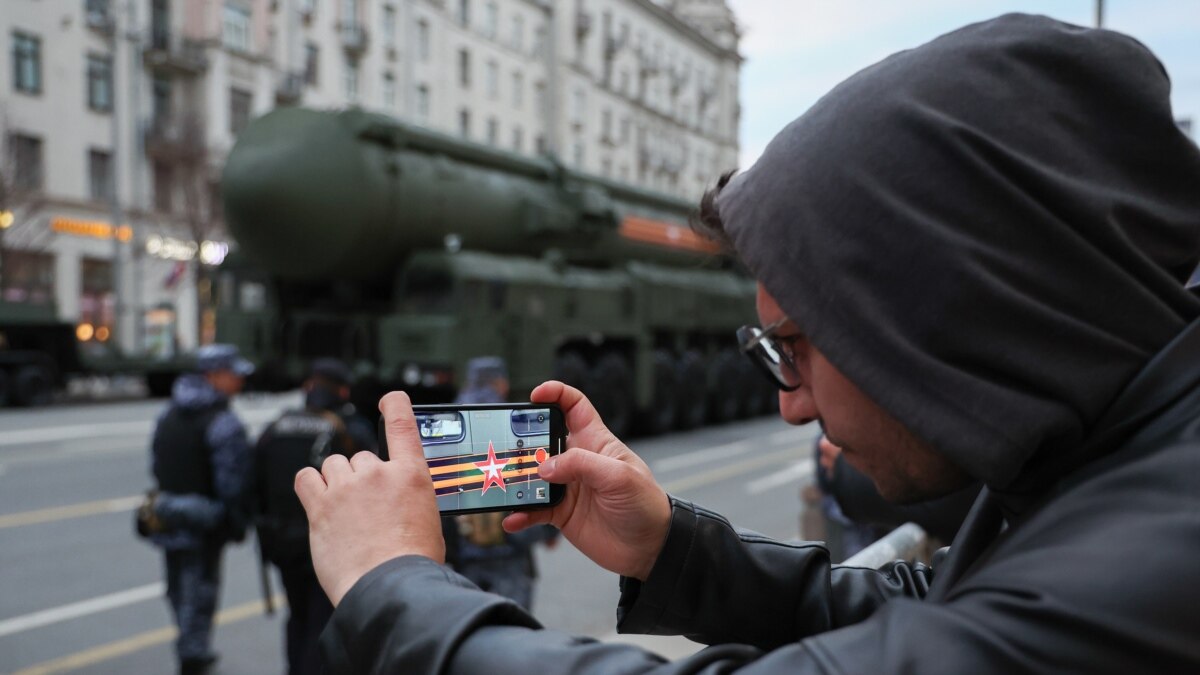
point(790, 475)
point(136, 643)
point(77, 609)
point(720, 473)
point(139, 428)
point(70, 511)
point(734, 449)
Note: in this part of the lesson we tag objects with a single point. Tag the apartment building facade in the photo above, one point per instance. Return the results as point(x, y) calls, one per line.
point(121, 111)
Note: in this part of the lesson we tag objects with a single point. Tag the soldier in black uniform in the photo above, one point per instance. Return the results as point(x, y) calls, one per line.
point(298, 439)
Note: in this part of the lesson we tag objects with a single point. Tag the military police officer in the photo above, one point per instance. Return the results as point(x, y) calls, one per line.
point(200, 461)
point(301, 438)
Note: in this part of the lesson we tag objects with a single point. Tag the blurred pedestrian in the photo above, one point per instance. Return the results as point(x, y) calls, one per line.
point(477, 546)
point(328, 388)
point(300, 438)
point(200, 458)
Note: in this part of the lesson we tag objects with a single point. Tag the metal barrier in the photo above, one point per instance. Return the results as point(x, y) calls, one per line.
point(903, 543)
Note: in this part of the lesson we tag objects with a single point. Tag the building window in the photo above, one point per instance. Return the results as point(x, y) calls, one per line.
point(100, 175)
point(423, 40)
point(240, 103)
point(491, 20)
point(350, 13)
point(160, 100)
point(539, 144)
point(423, 101)
point(493, 131)
point(464, 68)
point(27, 63)
point(235, 31)
point(578, 155)
point(97, 303)
point(464, 13)
point(389, 26)
point(27, 161)
point(96, 11)
point(578, 106)
point(312, 63)
point(606, 125)
point(518, 87)
point(539, 96)
point(99, 83)
point(350, 79)
point(464, 123)
point(389, 91)
point(493, 80)
point(539, 41)
point(518, 32)
point(518, 140)
point(163, 187)
point(28, 277)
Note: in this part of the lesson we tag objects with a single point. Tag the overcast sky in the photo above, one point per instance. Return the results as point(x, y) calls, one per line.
point(796, 50)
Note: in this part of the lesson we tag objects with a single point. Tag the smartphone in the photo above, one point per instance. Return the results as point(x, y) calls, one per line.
point(485, 457)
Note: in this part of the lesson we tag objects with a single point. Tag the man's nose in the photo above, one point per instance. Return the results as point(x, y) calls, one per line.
point(797, 407)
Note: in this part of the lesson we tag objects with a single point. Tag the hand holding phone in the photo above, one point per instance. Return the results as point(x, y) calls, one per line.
point(485, 457)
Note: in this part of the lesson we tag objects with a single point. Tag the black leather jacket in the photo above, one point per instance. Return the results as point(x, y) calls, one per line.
point(1096, 575)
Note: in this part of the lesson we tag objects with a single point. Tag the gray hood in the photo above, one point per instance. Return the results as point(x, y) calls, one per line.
point(988, 234)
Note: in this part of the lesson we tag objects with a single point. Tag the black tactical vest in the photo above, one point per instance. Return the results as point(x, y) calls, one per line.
point(182, 456)
point(294, 441)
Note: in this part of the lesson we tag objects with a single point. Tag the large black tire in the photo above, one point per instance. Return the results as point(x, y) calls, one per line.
point(32, 386)
point(4, 391)
point(725, 389)
point(611, 390)
point(664, 407)
point(570, 368)
point(692, 403)
point(159, 384)
point(754, 401)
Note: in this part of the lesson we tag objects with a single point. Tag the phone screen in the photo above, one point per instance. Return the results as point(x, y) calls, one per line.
point(486, 457)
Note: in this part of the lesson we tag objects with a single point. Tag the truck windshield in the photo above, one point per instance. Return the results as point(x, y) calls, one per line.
point(428, 290)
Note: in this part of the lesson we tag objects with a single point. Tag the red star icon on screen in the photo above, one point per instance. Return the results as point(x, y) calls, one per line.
point(491, 468)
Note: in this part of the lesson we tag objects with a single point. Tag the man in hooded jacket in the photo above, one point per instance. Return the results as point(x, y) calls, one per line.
point(971, 260)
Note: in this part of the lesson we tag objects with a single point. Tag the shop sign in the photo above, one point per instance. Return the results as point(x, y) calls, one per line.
point(90, 228)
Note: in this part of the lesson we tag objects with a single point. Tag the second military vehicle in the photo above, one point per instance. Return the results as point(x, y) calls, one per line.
point(407, 252)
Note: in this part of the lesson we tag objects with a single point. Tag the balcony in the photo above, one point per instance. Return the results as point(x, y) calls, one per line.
point(171, 139)
point(583, 24)
point(354, 37)
point(167, 51)
point(290, 88)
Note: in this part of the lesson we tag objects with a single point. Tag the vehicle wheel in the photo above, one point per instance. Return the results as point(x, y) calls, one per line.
point(754, 403)
point(611, 385)
point(725, 387)
point(3, 388)
point(692, 407)
point(159, 384)
point(664, 407)
point(570, 368)
point(32, 386)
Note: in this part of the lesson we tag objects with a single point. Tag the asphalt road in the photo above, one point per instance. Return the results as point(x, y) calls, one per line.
point(80, 593)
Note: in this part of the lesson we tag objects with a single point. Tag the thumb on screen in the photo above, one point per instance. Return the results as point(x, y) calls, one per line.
point(580, 466)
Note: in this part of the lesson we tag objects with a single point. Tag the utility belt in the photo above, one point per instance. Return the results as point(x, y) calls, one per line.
point(283, 541)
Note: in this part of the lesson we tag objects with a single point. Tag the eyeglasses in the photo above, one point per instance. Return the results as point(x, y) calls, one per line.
point(774, 355)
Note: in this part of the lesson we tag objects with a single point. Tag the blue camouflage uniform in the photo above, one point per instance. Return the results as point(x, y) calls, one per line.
point(199, 524)
point(505, 567)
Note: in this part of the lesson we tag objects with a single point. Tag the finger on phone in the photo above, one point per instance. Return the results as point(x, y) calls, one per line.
point(578, 411)
point(309, 485)
point(515, 522)
point(400, 426)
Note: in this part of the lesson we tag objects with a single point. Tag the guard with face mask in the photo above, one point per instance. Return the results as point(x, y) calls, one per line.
point(325, 426)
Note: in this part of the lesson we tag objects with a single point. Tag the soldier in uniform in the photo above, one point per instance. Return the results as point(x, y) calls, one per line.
point(328, 388)
point(200, 459)
point(477, 546)
point(301, 438)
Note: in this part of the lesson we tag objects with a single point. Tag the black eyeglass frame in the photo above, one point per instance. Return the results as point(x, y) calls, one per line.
point(758, 344)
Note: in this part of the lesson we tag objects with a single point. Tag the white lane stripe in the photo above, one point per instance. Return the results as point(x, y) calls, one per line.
point(790, 474)
point(83, 608)
point(143, 428)
point(55, 513)
point(690, 459)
